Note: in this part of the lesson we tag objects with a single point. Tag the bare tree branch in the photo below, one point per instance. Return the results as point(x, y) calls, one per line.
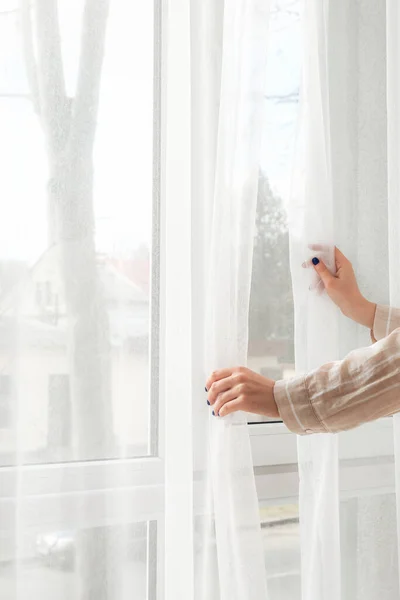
point(288, 5)
point(284, 11)
point(54, 103)
point(6, 13)
point(16, 95)
point(291, 9)
point(85, 106)
point(290, 98)
point(13, 11)
point(29, 53)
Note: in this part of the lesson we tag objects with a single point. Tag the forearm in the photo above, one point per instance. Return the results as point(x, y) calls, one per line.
point(380, 319)
point(344, 394)
point(363, 312)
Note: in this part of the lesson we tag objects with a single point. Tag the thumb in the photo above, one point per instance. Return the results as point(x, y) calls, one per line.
point(323, 272)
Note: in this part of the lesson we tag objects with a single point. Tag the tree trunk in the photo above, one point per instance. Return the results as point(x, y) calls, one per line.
point(89, 353)
point(69, 125)
point(71, 199)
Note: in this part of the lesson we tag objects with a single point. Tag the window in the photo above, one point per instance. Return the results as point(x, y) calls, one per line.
point(360, 528)
point(81, 281)
point(366, 454)
point(271, 319)
point(56, 555)
point(79, 298)
point(104, 495)
point(5, 402)
point(59, 428)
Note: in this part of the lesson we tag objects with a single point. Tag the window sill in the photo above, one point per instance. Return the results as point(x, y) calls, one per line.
point(273, 444)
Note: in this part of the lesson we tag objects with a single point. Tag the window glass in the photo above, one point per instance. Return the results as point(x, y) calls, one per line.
point(5, 401)
point(72, 563)
point(271, 320)
point(77, 222)
point(281, 539)
point(367, 531)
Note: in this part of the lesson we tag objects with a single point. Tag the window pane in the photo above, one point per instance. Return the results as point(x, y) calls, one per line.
point(5, 401)
point(281, 537)
point(77, 230)
point(368, 548)
point(281, 543)
point(271, 322)
point(106, 563)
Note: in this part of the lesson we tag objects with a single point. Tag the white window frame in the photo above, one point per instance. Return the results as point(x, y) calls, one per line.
point(132, 490)
point(87, 494)
point(366, 457)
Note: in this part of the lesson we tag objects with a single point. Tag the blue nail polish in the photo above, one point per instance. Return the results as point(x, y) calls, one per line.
point(208, 403)
point(213, 413)
point(206, 389)
point(315, 260)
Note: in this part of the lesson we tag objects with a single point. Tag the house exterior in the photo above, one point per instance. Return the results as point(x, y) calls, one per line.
point(35, 363)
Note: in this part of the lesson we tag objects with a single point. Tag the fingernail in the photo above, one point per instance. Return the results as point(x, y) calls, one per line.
point(214, 413)
point(315, 260)
point(206, 389)
point(208, 403)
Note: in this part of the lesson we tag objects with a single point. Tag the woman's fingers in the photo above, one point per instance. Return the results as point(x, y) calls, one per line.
point(316, 248)
point(340, 258)
point(324, 248)
point(217, 376)
point(218, 387)
point(230, 407)
point(318, 287)
point(224, 399)
point(307, 263)
point(325, 274)
point(339, 254)
point(319, 247)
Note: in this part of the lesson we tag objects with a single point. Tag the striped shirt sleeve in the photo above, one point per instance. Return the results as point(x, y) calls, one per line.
point(387, 319)
point(341, 395)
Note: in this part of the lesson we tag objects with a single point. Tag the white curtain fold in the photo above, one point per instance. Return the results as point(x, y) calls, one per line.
point(393, 158)
point(316, 334)
point(227, 75)
point(340, 197)
point(176, 266)
point(149, 505)
point(239, 50)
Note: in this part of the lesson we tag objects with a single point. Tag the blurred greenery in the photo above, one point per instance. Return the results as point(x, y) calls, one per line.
point(271, 302)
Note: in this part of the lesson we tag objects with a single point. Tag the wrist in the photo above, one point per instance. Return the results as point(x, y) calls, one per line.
point(274, 406)
point(365, 313)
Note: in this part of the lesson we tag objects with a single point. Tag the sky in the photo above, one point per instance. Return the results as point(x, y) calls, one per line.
point(123, 149)
point(283, 77)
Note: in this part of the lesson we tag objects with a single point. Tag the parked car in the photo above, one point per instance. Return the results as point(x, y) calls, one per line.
point(59, 549)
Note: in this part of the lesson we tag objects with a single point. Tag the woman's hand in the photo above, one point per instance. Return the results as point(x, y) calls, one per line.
point(240, 388)
point(342, 288)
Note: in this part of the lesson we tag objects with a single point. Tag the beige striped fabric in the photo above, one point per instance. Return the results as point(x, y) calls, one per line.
point(343, 394)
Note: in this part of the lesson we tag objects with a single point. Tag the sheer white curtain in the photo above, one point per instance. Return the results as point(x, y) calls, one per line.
point(116, 481)
point(345, 193)
point(393, 128)
point(80, 475)
point(316, 324)
point(210, 485)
